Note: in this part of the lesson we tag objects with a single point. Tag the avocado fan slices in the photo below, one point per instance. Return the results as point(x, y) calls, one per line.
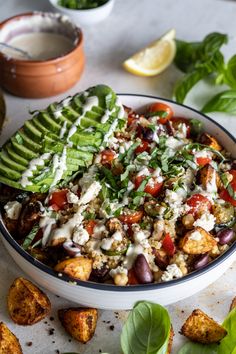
point(61, 140)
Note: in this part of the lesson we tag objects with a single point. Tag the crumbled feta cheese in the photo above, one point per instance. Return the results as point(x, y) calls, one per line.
point(80, 235)
point(98, 230)
point(117, 236)
point(72, 198)
point(140, 235)
point(195, 236)
point(91, 193)
point(202, 154)
point(206, 221)
point(118, 270)
point(107, 243)
point(173, 143)
point(182, 131)
point(144, 172)
point(13, 210)
point(172, 271)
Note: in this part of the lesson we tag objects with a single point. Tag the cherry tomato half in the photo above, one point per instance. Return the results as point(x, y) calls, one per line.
point(144, 146)
point(198, 203)
point(202, 161)
point(58, 199)
point(162, 110)
point(176, 121)
point(132, 218)
point(107, 156)
point(152, 187)
point(224, 194)
point(168, 245)
point(89, 227)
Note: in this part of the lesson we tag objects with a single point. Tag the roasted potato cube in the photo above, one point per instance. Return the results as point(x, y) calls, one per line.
point(197, 241)
point(210, 141)
point(27, 304)
point(80, 323)
point(77, 267)
point(9, 344)
point(170, 341)
point(203, 329)
point(223, 213)
point(208, 177)
point(233, 304)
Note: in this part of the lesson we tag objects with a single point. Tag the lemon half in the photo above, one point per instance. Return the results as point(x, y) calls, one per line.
point(155, 58)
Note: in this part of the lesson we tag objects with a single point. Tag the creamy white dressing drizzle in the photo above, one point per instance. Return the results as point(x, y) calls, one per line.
point(39, 161)
point(63, 130)
point(59, 167)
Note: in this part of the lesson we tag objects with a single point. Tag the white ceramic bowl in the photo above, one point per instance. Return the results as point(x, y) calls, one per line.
point(106, 296)
point(85, 17)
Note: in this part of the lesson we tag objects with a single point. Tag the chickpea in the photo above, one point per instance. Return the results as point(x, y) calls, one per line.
point(121, 279)
point(188, 220)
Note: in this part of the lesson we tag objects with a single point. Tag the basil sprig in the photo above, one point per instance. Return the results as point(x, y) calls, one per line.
point(30, 237)
point(147, 329)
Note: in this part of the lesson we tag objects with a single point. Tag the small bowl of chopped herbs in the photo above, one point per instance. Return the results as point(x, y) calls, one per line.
point(84, 12)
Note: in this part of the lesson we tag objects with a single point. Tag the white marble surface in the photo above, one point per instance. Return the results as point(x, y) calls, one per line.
point(131, 26)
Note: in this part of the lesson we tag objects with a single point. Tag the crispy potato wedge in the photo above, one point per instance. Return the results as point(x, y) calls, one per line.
point(208, 176)
point(172, 333)
point(77, 267)
point(190, 245)
point(27, 304)
point(233, 304)
point(210, 141)
point(79, 322)
point(203, 329)
point(9, 343)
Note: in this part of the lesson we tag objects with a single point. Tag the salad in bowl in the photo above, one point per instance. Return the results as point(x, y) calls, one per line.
point(102, 193)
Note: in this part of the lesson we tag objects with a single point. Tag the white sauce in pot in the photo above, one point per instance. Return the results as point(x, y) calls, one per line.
point(39, 45)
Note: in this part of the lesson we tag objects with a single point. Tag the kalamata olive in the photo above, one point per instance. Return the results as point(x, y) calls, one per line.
point(71, 249)
point(225, 236)
point(99, 274)
point(169, 128)
point(142, 270)
point(201, 261)
point(147, 134)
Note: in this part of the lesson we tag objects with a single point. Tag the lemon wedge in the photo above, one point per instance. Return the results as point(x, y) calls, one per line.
point(155, 58)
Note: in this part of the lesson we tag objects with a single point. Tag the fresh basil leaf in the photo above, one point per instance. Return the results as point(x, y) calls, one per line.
point(126, 156)
point(188, 81)
point(161, 114)
point(109, 177)
point(196, 127)
point(231, 191)
point(197, 348)
point(223, 102)
point(212, 43)
point(146, 330)
point(229, 76)
point(189, 55)
point(186, 55)
point(124, 175)
point(29, 238)
point(228, 343)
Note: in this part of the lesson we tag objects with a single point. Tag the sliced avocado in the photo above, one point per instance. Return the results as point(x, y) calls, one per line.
point(42, 133)
point(32, 131)
point(32, 145)
point(9, 173)
point(45, 119)
point(6, 159)
point(22, 150)
point(15, 157)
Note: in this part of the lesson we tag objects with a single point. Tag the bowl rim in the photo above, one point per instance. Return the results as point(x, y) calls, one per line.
point(56, 5)
point(133, 288)
point(78, 44)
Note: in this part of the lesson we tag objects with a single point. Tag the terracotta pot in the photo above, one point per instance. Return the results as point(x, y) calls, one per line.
point(37, 79)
